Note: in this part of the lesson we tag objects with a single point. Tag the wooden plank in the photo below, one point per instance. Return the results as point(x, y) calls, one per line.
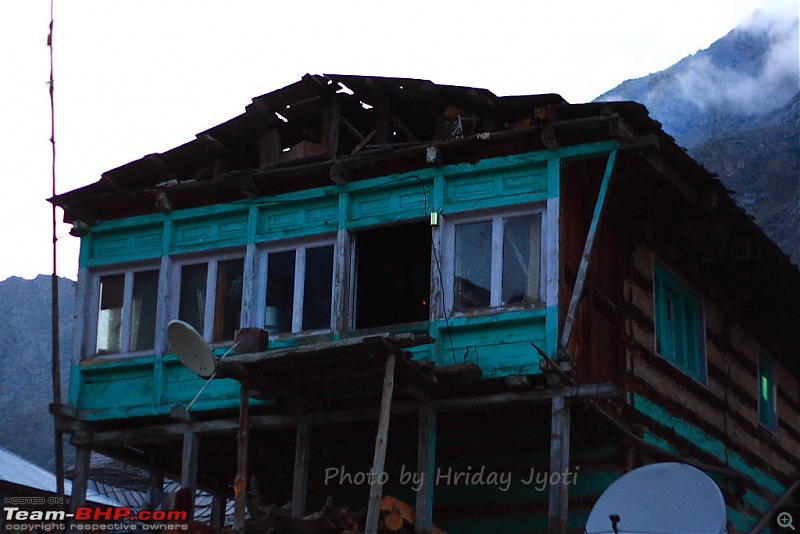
point(381, 439)
point(302, 454)
point(426, 468)
point(586, 259)
point(80, 482)
point(191, 448)
point(240, 483)
point(558, 512)
point(269, 147)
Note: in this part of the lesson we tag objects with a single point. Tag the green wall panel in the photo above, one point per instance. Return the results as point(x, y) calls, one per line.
point(297, 219)
point(500, 187)
point(125, 245)
point(386, 206)
point(209, 232)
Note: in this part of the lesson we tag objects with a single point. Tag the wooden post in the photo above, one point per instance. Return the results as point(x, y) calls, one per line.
point(80, 482)
point(191, 447)
point(301, 460)
point(219, 505)
point(381, 439)
point(559, 462)
point(426, 468)
point(156, 483)
point(240, 484)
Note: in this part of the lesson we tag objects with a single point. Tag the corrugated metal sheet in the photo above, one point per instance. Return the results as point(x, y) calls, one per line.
point(17, 470)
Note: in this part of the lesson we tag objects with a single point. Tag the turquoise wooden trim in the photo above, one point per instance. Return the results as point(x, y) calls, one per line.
point(74, 384)
point(707, 443)
point(84, 256)
point(488, 188)
point(551, 331)
point(601, 195)
point(767, 389)
point(678, 322)
point(297, 219)
point(741, 522)
point(554, 177)
point(230, 229)
point(378, 207)
point(492, 317)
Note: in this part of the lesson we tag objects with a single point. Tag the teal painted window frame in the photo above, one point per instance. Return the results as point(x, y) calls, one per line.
point(209, 310)
point(767, 392)
point(679, 324)
point(90, 328)
point(300, 247)
point(497, 217)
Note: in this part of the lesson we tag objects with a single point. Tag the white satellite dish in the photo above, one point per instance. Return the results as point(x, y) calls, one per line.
point(194, 353)
point(191, 349)
point(669, 498)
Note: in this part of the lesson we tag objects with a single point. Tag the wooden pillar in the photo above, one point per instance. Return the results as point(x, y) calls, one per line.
point(559, 462)
point(80, 482)
point(301, 459)
point(191, 447)
point(219, 505)
point(426, 468)
point(240, 484)
point(381, 439)
point(156, 485)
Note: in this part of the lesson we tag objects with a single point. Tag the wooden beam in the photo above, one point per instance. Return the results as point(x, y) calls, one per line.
point(558, 512)
point(586, 258)
point(426, 469)
point(191, 448)
point(302, 454)
point(269, 147)
point(352, 129)
point(219, 506)
point(400, 125)
point(80, 482)
point(240, 483)
point(379, 461)
point(155, 489)
point(159, 433)
point(331, 125)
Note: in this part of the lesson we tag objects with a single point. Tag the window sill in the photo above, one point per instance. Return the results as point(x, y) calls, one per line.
point(494, 315)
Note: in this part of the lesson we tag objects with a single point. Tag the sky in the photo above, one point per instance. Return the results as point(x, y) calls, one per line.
point(138, 77)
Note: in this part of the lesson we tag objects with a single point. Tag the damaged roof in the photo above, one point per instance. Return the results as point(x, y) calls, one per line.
point(333, 129)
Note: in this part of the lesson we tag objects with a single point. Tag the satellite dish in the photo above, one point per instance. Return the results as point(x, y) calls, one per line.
point(665, 497)
point(191, 348)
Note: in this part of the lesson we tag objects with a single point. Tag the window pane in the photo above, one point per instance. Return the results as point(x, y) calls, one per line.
point(193, 295)
point(228, 300)
point(109, 319)
point(280, 292)
point(521, 255)
point(145, 299)
point(318, 288)
point(473, 265)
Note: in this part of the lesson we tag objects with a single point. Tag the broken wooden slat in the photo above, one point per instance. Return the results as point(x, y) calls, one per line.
point(559, 462)
point(240, 483)
point(191, 449)
point(426, 468)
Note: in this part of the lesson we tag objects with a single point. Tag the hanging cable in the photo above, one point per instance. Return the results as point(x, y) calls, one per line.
point(56, 347)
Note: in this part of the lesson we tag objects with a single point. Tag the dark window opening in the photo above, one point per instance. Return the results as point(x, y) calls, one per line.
point(393, 275)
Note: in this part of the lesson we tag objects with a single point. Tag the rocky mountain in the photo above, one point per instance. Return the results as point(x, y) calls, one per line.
point(26, 426)
point(735, 106)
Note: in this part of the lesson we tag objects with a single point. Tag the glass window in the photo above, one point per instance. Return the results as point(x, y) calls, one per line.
point(193, 295)
point(767, 392)
point(497, 262)
point(213, 288)
point(228, 300)
point(145, 301)
point(679, 326)
point(126, 317)
point(318, 288)
point(521, 258)
point(109, 318)
point(299, 286)
point(280, 291)
point(473, 265)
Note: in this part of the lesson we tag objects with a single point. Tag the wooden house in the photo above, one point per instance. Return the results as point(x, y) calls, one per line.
point(522, 298)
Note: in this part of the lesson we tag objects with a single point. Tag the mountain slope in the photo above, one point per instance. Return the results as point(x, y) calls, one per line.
point(746, 74)
point(735, 105)
point(26, 426)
